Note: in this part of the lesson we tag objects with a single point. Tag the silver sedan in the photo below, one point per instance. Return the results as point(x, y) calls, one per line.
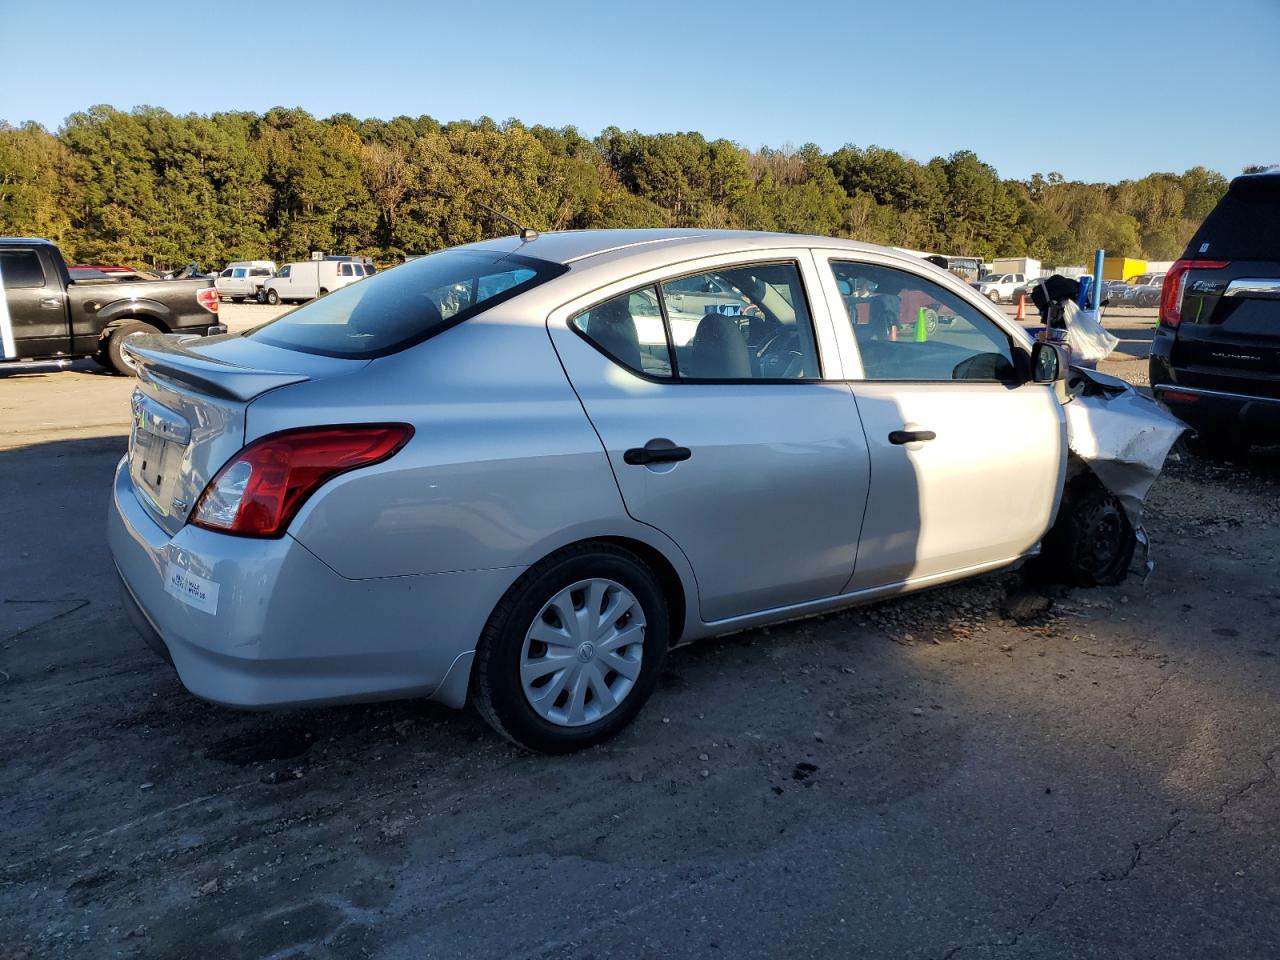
point(517, 473)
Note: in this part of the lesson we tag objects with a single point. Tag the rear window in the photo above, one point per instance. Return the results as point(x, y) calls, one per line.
point(397, 309)
point(1245, 225)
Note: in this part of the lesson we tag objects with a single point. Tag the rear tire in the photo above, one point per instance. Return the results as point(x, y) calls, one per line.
point(508, 648)
point(111, 354)
point(273, 298)
point(1091, 543)
point(260, 296)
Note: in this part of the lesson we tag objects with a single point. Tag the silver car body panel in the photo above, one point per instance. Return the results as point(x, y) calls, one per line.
point(387, 574)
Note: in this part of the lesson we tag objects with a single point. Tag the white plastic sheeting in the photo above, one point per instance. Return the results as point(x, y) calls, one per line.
point(1085, 334)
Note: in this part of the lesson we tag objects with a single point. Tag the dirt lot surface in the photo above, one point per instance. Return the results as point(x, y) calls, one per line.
point(925, 778)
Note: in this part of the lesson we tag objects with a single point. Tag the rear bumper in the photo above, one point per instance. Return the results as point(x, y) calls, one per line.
point(1249, 418)
point(278, 627)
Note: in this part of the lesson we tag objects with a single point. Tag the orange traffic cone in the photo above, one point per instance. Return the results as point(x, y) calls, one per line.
point(1022, 307)
point(893, 330)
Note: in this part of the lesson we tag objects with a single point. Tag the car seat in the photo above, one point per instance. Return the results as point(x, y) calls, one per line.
point(613, 329)
point(718, 350)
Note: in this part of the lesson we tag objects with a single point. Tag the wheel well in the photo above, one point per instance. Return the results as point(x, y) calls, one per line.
point(121, 321)
point(662, 568)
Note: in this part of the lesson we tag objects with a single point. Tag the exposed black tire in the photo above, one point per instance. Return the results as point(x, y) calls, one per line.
point(1092, 542)
point(496, 686)
point(273, 298)
point(111, 349)
point(1216, 446)
point(102, 360)
point(237, 299)
point(260, 296)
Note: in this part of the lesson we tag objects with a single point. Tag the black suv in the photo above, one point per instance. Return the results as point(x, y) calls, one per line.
point(1215, 360)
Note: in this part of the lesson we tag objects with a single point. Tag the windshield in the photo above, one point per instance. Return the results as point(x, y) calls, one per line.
point(401, 307)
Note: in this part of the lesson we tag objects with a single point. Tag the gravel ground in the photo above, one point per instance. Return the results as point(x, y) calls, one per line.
point(980, 771)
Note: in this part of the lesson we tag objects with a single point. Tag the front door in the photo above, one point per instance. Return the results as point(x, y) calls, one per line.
point(729, 442)
point(966, 460)
point(33, 317)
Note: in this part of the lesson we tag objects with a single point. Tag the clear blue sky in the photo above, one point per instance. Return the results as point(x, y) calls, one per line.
point(1166, 85)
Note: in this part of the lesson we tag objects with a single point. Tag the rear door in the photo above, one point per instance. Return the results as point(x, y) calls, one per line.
point(33, 316)
point(967, 463)
point(1228, 337)
point(730, 442)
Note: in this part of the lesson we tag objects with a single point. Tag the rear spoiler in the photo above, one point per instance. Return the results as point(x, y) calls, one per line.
point(169, 357)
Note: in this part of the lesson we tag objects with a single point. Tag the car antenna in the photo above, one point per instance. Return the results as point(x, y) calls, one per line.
point(527, 234)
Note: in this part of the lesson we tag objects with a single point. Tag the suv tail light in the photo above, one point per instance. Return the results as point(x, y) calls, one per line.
point(208, 298)
point(1174, 281)
point(258, 493)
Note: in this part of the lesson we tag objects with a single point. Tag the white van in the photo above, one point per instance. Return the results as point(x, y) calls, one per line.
point(314, 278)
point(243, 279)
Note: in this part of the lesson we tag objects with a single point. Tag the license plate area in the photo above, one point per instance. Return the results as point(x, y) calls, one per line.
point(158, 439)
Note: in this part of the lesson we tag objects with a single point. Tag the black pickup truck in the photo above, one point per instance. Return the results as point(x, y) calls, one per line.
point(53, 315)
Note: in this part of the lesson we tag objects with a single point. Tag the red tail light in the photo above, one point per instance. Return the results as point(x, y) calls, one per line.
point(1174, 280)
point(258, 493)
point(208, 298)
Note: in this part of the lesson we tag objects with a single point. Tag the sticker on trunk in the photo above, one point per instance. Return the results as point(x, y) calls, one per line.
point(192, 590)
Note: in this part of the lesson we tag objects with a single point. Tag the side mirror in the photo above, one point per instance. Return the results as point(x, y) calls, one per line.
point(1048, 362)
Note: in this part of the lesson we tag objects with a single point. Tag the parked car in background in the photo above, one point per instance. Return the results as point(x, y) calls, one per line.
point(52, 313)
point(497, 473)
point(999, 287)
point(308, 279)
point(1137, 290)
point(244, 280)
point(1215, 358)
point(1148, 294)
point(1024, 290)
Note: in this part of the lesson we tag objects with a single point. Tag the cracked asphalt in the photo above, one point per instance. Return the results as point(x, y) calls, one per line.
point(925, 778)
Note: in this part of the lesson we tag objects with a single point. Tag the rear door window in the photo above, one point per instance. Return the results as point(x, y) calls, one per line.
point(397, 309)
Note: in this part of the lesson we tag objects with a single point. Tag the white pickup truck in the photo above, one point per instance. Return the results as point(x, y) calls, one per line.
point(245, 279)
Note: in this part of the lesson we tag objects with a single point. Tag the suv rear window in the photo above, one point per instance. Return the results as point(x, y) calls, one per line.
point(1245, 225)
point(404, 306)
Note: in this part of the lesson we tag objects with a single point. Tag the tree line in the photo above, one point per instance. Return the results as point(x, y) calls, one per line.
point(148, 187)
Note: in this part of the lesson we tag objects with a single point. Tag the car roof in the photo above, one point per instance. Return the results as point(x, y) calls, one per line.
point(24, 241)
point(572, 246)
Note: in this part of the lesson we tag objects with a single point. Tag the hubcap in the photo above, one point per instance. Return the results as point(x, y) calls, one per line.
point(581, 656)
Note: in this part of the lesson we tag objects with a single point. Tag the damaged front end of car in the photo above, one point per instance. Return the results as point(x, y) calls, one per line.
point(1118, 441)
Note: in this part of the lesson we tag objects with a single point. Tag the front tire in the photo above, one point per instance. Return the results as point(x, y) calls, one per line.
point(1092, 542)
point(273, 298)
point(994, 296)
point(111, 353)
point(573, 650)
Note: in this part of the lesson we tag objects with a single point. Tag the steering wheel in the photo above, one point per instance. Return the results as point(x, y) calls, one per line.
point(780, 358)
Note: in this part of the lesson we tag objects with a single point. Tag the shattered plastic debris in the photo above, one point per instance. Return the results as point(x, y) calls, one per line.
point(1123, 436)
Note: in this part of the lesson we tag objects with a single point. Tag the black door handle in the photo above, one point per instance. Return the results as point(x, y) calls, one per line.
point(656, 451)
point(911, 436)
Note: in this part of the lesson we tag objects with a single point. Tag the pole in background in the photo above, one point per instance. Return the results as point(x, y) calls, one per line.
point(1095, 295)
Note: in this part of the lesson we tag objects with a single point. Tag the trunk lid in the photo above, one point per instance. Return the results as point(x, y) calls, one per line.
point(189, 410)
